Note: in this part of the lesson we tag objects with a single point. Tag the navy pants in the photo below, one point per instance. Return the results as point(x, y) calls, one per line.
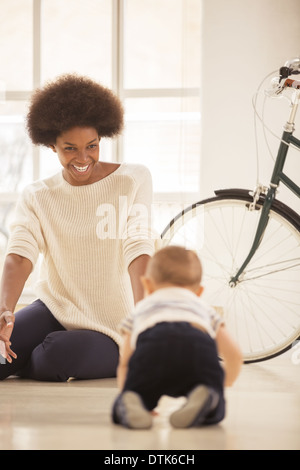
point(47, 351)
point(172, 359)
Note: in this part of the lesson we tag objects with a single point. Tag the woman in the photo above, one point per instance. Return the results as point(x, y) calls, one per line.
point(91, 223)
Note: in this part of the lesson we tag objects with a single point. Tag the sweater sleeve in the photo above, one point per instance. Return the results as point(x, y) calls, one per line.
point(140, 238)
point(26, 236)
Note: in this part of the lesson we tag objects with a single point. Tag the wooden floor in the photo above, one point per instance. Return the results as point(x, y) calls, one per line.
point(263, 412)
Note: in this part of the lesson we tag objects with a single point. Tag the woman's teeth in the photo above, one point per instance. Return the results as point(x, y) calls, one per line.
point(81, 169)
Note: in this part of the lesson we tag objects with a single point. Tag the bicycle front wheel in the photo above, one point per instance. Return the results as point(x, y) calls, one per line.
point(262, 311)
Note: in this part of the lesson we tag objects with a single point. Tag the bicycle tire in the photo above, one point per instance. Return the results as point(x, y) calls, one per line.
point(262, 311)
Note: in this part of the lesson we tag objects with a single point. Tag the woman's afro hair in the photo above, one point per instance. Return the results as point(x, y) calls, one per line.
point(72, 101)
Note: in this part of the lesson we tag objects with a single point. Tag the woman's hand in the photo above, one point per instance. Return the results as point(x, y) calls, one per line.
point(15, 273)
point(7, 320)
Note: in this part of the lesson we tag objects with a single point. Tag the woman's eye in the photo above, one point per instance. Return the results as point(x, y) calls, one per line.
point(69, 149)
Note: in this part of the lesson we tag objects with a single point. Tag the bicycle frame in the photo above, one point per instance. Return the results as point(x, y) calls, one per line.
point(277, 177)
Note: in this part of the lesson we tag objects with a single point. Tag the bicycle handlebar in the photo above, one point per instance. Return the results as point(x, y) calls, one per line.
point(282, 81)
point(292, 83)
point(292, 67)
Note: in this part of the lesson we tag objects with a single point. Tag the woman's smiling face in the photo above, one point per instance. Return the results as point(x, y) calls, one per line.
point(78, 152)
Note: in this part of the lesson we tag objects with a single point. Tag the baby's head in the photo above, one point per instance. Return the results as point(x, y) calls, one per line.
point(173, 266)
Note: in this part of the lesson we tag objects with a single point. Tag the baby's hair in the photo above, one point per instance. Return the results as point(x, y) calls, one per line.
point(175, 265)
point(73, 101)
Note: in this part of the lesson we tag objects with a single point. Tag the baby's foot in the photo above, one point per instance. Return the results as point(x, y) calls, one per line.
point(200, 402)
point(129, 411)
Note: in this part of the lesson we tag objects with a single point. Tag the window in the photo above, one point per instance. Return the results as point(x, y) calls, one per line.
point(161, 66)
point(146, 51)
point(16, 51)
point(81, 30)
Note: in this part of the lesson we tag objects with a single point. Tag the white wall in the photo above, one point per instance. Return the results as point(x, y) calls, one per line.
point(243, 41)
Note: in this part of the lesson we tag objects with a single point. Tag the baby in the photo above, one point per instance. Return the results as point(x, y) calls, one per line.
point(172, 346)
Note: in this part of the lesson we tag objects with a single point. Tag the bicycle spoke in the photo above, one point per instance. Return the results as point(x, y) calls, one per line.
point(268, 273)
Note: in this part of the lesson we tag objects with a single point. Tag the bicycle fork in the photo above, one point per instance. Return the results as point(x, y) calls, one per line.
point(277, 176)
point(261, 227)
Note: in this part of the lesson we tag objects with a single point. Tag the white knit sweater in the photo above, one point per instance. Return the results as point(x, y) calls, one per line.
point(88, 235)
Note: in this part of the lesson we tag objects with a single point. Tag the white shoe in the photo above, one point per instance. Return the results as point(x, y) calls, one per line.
point(200, 402)
point(131, 411)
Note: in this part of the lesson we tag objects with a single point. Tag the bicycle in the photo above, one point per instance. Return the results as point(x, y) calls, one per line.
point(249, 244)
